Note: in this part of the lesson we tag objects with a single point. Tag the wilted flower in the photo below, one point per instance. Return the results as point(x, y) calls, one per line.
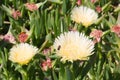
point(93, 1)
point(22, 37)
point(84, 15)
point(22, 53)
point(73, 46)
point(46, 64)
point(16, 14)
point(98, 9)
point(9, 38)
point(96, 34)
point(31, 6)
point(116, 29)
point(78, 2)
point(46, 51)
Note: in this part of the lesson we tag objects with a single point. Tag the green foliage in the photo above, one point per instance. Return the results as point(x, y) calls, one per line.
point(52, 18)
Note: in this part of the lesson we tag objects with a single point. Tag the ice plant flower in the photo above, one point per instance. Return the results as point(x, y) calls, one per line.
point(96, 34)
point(9, 38)
point(98, 9)
point(46, 64)
point(84, 15)
point(116, 29)
point(16, 14)
point(31, 6)
point(78, 2)
point(22, 53)
point(46, 51)
point(93, 1)
point(73, 46)
point(22, 37)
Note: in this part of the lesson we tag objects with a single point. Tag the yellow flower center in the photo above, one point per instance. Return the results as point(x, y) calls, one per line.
point(69, 51)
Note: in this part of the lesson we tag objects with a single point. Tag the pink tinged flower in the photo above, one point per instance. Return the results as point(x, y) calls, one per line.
point(31, 6)
point(93, 1)
point(78, 2)
point(16, 14)
point(49, 63)
point(116, 30)
point(22, 37)
point(98, 9)
point(46, 51)
point(46, 64)
point(9, 38)
point(96, 34)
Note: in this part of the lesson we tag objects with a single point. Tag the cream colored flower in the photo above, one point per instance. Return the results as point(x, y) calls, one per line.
point(118, 5)
point(22, 53)
point(73, 46)
point(84, 15)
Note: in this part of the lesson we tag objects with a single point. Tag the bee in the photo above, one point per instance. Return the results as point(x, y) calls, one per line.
point(59, 47)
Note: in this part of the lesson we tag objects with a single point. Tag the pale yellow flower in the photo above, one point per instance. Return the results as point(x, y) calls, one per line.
point(22, 53)
point(73, 46)
point(84, 15)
